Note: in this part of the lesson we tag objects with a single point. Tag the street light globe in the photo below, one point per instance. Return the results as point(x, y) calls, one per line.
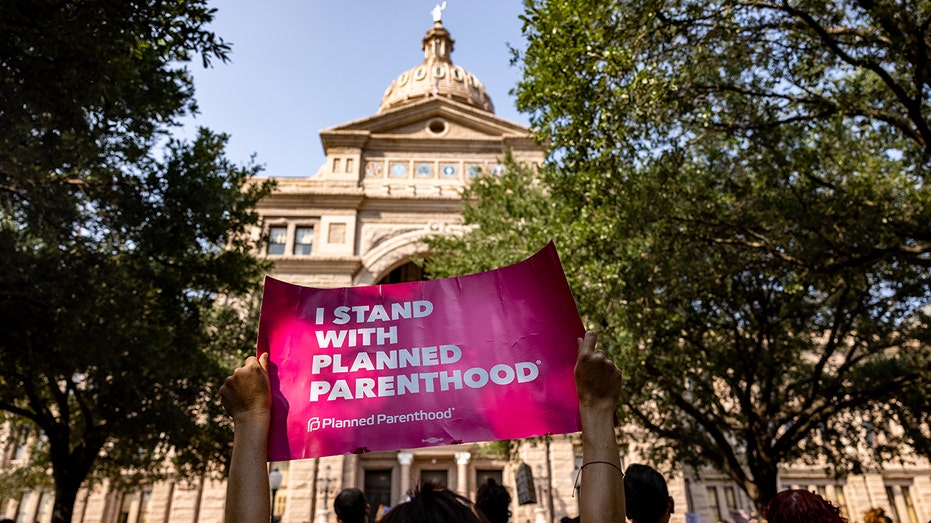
point(274, 479)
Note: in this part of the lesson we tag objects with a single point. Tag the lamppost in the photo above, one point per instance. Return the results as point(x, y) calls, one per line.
point(274, 481)
point(323, 513)
point(542, 491)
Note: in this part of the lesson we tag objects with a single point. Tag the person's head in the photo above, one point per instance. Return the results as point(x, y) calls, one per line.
point(493, 501)
point(646, 495)
point(432, 503)
point(351, 506)
point(801, 506)
point(876, 515)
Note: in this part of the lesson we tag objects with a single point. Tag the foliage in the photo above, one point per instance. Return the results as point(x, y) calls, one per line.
point(493, 241)
point(122, 251)
point(740, 189)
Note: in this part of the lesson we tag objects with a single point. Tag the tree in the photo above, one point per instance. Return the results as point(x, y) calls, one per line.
point(122, 250)
point(742, 201)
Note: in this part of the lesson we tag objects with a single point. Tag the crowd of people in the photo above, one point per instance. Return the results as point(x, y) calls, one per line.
point(604, 492)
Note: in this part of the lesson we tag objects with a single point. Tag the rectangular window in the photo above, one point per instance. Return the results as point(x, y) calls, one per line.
point(841, 500)
point(144, 506)
point(378, 491)
point(281, 501)
point(45, 507)
point(713, 504)
point(303, 240)
point(482, 476)
point(730, 497)
point(22, 444)
point(277, 236)
point(890, 495)
point(21, 515)
point(440, 477)
point(126, 507)
point(909, 505)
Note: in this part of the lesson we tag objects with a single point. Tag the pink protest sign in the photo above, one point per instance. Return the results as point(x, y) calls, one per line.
point(482, 357)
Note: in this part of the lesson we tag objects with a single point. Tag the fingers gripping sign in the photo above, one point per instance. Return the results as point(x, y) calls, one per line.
point(247, 399)
point(598, 385)
point(245, 394)
point(597, 379)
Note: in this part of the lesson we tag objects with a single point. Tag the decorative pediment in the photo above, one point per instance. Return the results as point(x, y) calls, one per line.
point(436, 119)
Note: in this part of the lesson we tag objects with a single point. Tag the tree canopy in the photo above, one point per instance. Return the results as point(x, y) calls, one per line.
point(738, 191)
point(122, 249)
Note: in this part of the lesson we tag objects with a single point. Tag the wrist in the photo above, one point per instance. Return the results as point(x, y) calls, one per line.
point(259, 417)
point(597, 409)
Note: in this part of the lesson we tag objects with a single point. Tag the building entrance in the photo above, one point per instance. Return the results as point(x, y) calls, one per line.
point(377, 490)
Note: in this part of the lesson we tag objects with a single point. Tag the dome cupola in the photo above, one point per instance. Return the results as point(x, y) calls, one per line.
point(436, 77)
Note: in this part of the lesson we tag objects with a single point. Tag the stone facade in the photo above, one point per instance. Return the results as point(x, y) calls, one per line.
point(389, 180)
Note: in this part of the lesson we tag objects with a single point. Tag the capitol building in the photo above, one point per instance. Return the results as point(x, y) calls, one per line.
point(390, 180)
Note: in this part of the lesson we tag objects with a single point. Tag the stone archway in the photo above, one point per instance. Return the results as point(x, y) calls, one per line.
point(390, 255)
point(405, 272)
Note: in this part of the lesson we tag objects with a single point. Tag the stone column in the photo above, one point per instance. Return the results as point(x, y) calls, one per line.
point(462, 473)
point(405, 459)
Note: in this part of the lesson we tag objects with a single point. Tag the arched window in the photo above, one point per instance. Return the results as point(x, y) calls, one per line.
point(409, 271)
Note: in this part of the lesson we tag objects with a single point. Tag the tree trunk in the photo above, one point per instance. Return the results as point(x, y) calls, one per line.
point(765, 479)
point(70, 468)
point(65, 496)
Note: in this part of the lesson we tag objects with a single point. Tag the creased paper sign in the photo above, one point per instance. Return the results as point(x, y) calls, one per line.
point(482, 357)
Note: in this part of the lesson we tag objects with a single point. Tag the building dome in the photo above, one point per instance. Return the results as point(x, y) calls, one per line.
point(436, 76)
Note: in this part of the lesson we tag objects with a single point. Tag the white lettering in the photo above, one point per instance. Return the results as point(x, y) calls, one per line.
point(502, 374)
point(383, 386)
point(476, 378)
point(318, 388)
point(342, 315)
point(428, 356)
point(453, 380)
point(422, 308)
point(320, 361)
point(526, 371)
point(328, 337)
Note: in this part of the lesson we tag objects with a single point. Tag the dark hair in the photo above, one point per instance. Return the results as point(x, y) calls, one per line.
point(493, 501)
point(646, 494)
point(432, 503)
point(801, 506)
point(350, 505)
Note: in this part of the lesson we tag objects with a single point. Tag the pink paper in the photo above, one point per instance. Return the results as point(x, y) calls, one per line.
point(481, 357)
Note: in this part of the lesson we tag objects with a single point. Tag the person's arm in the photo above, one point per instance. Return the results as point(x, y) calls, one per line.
point(598, 385)
point(246, 397)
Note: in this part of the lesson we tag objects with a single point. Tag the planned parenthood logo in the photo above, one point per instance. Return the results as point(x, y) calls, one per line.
point(317, 423)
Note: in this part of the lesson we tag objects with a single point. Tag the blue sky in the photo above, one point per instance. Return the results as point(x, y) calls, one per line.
point(299, 66)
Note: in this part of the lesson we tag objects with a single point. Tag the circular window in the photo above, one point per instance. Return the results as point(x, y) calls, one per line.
point(437, 126)
point(398, 170)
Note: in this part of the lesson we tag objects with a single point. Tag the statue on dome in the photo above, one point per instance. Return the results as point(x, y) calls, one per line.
point(438, 11)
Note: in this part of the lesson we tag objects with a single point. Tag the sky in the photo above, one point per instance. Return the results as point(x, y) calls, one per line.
point(300, 66)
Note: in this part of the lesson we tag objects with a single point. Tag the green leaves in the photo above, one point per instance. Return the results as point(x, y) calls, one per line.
point(127, 262)
point(739, 196)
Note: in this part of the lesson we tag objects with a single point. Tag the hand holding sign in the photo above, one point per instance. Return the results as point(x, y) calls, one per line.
point(476, 358)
